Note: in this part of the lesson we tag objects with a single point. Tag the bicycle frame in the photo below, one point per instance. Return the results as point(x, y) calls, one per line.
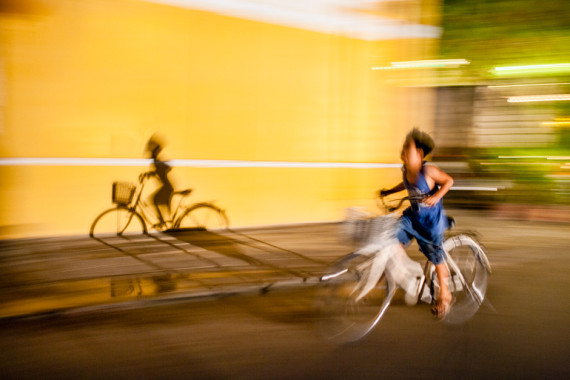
point(144, 210)
point(370, 277)
point(182, 216)
point(384, 258)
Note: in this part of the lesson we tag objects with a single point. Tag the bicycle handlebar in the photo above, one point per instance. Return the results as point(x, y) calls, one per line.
point(144, 175)
point(416, 198)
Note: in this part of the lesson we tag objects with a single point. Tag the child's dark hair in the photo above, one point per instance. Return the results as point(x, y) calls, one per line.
point(422, 140)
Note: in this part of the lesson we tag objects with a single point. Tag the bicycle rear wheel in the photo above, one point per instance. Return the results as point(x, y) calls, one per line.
point(343, 316)
point(468, 258)
point(203, 217)
point(117, 221)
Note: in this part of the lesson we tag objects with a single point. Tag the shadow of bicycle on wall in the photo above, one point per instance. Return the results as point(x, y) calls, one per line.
point(152, 203)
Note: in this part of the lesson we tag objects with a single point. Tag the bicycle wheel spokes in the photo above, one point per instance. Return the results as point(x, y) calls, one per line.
point(119, 221)
point(346, 317)
point(203, 217)
point(470, 284)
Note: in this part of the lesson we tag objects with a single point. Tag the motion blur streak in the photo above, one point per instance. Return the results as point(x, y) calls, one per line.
point(560, 67)
point(424, 64)
point(526, 85)
point(538, 98)
point(354, 19)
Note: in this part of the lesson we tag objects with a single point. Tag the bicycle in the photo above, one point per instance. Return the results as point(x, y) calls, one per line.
point(131, 215)
point(356, 291)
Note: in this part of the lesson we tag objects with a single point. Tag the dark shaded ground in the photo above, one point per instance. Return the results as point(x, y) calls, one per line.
point(273, 336)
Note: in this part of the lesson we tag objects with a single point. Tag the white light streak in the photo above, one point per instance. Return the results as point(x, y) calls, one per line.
point(423, 64)
point(476, 188)
point(563, 158)
point(522, 157)
point(334, 275)
point(539, 98)
point(518, 163)
point(61, 161)
point(445, 62)
point(533, 67)
point(338, 17)
point(527, 85)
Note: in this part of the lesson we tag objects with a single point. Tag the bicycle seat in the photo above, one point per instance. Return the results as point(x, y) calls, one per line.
point(183, 192)
point(450, 222)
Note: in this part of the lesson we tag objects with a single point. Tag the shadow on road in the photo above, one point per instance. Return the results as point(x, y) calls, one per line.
point(214, 242)
point(216, 247)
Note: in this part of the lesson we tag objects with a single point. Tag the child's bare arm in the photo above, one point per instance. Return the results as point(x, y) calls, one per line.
point(396, 189)
point(442, 179)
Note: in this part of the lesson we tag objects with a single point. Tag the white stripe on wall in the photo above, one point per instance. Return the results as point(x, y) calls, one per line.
point(141, 162)
point(55, 161)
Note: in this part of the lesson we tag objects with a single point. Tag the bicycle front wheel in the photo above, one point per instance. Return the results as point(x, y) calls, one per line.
point(118, 221)
point(203, 217)
point(465, 256)
point(346, 316)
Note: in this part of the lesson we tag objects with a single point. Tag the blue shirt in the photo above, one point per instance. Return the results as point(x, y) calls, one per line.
point(429, 222)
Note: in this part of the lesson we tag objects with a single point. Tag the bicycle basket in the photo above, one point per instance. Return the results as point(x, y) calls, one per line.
point(366, 229)
point(123, 193)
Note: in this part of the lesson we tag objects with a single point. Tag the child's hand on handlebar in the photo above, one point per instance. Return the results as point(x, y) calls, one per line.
point(431, 200)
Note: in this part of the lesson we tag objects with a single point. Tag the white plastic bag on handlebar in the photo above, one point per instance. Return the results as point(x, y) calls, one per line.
point(405, 272)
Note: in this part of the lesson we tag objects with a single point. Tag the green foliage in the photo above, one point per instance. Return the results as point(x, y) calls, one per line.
point(537, 174)
point(505, 32)
point(492, 33)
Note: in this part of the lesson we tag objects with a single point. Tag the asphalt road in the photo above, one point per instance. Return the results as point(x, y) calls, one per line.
point(273, 336)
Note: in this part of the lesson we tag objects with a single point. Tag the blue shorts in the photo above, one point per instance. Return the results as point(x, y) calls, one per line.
point(429, 241)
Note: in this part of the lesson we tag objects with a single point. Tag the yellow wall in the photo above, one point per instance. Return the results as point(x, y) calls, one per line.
point(97, 78)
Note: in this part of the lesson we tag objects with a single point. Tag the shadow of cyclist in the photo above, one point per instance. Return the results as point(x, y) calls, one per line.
point(163, 195)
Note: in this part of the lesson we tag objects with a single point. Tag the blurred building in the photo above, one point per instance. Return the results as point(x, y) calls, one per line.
point(502, 121)
point(271, 108)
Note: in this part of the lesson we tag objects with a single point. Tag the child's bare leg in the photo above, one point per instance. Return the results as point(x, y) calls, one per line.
point(444, 294)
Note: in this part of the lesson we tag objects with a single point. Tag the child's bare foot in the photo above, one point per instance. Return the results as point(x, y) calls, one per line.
point(442, 306)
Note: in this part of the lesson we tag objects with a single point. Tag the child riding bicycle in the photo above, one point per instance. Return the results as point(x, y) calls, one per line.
point(424, 220)
point(163, 195)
